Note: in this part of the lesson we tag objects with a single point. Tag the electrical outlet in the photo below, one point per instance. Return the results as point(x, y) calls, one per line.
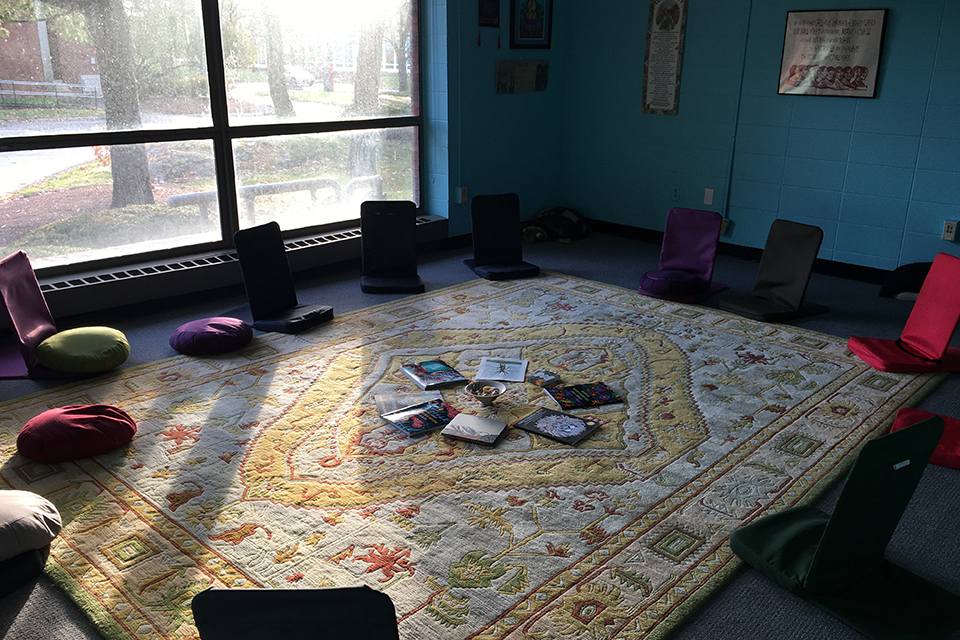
point(949, 231)
point(675, 194)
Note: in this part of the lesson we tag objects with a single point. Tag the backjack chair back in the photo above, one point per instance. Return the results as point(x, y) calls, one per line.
point(687, 256)
point(498, 238)
point(28, 313)
point(388, 239)
point(837, 561)
point(924, 343)
point(269, 283)
point(780, 289)
point(290, 614)
point(44, 351)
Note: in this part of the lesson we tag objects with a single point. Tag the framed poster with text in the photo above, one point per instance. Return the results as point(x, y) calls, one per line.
point(662, 56)
point(832, 53)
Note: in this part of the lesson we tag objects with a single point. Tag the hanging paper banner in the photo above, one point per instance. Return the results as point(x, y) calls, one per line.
point(664, 52)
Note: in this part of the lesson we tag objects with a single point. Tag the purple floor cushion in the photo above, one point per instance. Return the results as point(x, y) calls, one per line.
point(210, 336)
point(73, 432)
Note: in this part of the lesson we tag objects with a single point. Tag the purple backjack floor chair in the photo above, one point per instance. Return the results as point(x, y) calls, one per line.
point(687, 254)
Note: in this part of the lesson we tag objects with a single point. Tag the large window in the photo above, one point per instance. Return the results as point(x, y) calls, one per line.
point(136, 129)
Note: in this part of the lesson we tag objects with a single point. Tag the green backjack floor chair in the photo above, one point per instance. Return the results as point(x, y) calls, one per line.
point(837, 561)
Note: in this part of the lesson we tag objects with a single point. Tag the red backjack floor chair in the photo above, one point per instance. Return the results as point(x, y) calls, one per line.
point(924, 343)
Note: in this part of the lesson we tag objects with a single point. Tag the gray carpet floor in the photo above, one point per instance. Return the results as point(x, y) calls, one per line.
point(927, 541)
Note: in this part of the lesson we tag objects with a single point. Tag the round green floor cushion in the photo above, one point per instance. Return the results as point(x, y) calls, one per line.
point(84, 350)
point(75, 431)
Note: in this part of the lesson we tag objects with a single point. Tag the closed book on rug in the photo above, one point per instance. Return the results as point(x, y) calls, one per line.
point(432, 374)
point(472, 428)
point(423, 417)
point(590, 394)
point(562, 427)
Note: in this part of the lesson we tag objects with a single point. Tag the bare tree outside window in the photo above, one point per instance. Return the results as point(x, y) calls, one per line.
point(110, 68)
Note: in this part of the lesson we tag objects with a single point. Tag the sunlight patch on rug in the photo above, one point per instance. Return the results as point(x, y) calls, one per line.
point(270, 467)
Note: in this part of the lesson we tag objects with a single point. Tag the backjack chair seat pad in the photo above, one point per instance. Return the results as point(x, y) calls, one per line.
point(75, 431)
point(84, 350)
point(210, 336)
point(924, 343)
point(687, 255)
point(837, 561)
point(28, 524)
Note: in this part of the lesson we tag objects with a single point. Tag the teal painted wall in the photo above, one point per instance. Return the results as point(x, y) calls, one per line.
point(879, 176)
point(495, 143)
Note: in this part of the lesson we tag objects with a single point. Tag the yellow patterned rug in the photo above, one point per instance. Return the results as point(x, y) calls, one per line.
point(270, 467)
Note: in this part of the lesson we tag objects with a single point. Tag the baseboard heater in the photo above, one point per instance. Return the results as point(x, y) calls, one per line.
point(96, 291)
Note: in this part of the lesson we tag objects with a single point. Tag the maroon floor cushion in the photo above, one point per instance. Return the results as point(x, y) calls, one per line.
point(947, 453)
point(211, 336)
point(73, 432)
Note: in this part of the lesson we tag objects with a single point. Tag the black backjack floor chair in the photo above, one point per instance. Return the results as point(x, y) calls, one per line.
point(288, 614)
point(780, 289)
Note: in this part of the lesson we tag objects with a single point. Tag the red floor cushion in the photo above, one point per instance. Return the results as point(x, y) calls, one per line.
point(211, 336)
point(76, 431)
point(947, 453)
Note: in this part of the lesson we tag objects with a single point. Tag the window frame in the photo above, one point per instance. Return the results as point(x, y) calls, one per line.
point(221, 135)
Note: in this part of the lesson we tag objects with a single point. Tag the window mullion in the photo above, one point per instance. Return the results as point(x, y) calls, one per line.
point(222, 137)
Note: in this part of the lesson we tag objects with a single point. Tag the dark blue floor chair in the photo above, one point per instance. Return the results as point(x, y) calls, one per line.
point(287, 614)
point(498, 239)
point(388, 238)
point(269, 283)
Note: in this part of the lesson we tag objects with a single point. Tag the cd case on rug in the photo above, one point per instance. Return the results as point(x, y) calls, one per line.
point(576, 396)
point(431, 374)
point(423, 417)
point(473, 428)
point(562, 427)
point(387, 402)
point(507, 369)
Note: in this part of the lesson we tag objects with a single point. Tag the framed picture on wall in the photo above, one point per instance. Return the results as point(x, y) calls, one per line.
point(530, 24)
point(832, 53)
point(489, 13)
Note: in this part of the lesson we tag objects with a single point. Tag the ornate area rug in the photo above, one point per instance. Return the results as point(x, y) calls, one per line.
point(270, 467)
